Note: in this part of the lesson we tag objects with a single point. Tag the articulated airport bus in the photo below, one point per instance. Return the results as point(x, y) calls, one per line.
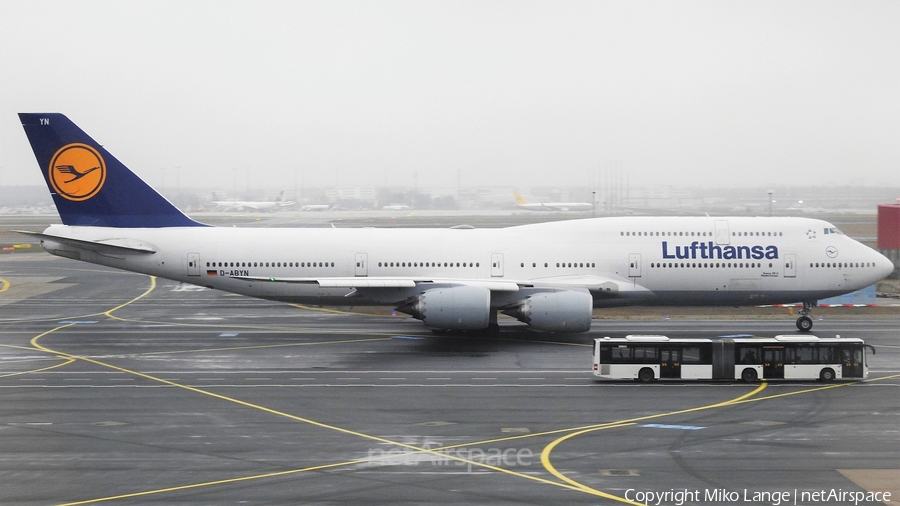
point(744, 357)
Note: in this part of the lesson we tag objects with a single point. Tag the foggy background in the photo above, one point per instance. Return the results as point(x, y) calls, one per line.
point(253, 97)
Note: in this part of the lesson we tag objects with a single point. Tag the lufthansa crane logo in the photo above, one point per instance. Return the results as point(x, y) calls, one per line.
point(77, 172)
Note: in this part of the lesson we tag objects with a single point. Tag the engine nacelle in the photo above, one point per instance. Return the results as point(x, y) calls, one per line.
point(556, 311)
point(454, 308)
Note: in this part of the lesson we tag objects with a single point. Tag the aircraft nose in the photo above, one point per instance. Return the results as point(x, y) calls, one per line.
point(884, 266)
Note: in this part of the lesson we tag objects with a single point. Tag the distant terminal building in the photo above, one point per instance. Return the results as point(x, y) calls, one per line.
point(362, 194)
point(889, 235)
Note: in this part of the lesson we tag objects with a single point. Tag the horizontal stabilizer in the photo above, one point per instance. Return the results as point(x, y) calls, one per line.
point(105, 246)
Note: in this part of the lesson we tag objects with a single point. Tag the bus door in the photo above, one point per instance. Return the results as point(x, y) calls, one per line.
point(773, 362)
point(670, 363)
point(852, 362)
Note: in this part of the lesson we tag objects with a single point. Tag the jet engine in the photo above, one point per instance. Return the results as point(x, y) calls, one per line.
point(554, 311)
point(456, 307)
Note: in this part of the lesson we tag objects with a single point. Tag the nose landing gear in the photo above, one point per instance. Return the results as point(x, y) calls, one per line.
point(805, 323)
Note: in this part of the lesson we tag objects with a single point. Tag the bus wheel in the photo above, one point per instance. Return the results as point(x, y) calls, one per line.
point(748, 375)
point(826, 375)
point(645, 375)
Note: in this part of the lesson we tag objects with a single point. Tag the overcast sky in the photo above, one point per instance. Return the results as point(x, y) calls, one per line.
point(518, 93)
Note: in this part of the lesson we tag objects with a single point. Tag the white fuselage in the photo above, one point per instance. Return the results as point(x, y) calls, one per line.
point(630, 260)
point(557, 206)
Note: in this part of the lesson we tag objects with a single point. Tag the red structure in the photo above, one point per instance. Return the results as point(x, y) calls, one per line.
point(888, 226)
point(889, 235)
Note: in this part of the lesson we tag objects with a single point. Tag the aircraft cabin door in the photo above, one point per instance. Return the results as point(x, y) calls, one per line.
point(634, 265)
point(722, 234)
point(362, 264)
point(193, 264)
point(497, 265)
point(790, 265)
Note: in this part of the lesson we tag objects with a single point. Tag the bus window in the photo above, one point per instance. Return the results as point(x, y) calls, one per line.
point(690, 355)
point(801, 355)
point(605, 354)
point(748, 356)
point(620, 355)
point(646, 355)
point(696, 355)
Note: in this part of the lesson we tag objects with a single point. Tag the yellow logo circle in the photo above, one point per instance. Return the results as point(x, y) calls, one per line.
point(77, 172)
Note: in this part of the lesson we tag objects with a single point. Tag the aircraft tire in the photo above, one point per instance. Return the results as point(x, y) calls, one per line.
point(804, 323)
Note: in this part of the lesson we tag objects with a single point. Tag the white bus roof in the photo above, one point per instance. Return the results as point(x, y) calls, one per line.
point(744, 338)
point(646, 338)
point(651, 339)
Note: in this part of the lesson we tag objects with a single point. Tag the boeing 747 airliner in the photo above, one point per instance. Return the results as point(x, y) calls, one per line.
point(550, 275)
point(551, 206)
point(254, 205)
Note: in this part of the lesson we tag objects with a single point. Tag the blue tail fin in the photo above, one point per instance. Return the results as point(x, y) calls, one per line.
point(89, 186)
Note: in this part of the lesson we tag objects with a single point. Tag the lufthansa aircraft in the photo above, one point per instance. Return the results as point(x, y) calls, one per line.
point(551, 206)
point(549, 275)
point(266, 205)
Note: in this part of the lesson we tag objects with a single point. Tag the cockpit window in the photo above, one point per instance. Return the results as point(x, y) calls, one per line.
point(833, 230)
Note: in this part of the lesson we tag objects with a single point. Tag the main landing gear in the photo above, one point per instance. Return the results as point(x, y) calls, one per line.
point(805, 323)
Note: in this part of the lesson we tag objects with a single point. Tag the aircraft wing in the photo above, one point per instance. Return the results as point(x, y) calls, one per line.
point(606, 287)
point(387, 282)
point(112, 245)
